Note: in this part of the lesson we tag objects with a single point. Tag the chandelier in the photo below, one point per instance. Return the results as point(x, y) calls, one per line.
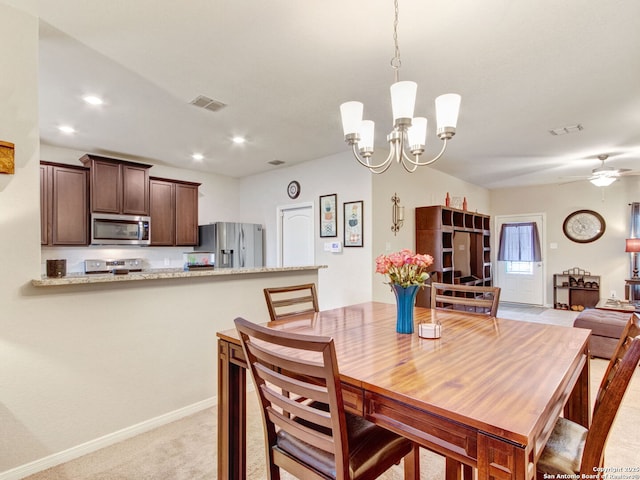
point(408, 132)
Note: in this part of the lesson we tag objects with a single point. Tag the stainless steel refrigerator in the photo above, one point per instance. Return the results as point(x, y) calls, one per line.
point(235, 245)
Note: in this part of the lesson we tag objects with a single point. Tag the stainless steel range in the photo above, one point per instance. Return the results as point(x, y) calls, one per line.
point(113, 266)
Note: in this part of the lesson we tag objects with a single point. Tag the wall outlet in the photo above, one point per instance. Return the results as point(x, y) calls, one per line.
point(167, 262)
point(612, 294)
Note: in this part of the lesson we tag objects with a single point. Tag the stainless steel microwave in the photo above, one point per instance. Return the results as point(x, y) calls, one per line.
point(109, 229)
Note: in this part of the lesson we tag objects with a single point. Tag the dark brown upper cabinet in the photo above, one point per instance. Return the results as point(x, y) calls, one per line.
point(174, 212)
point(64, 216)
point(118, 186)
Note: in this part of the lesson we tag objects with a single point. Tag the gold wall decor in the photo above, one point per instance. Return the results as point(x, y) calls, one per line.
point(7, 164)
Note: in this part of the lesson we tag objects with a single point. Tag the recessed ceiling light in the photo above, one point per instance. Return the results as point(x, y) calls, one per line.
point(238, 139)
point(93, 100)
point(67, 129)
point(198, 157)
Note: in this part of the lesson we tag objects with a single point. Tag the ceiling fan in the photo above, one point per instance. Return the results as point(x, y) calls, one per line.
point(604, 176)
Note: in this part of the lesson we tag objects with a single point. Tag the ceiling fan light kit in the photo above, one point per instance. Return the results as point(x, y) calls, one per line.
point(603, 180)
point(408, 132)
point(605, 176)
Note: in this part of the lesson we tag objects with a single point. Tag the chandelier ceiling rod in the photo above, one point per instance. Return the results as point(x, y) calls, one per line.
point(407, 131)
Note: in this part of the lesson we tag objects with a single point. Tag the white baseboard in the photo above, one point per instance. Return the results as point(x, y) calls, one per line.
point(101, 442)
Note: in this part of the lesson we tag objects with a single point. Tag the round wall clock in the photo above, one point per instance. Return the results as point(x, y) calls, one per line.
point(293, 189)
point(584, 226)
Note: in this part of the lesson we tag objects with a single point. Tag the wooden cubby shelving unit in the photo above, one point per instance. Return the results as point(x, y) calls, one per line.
point(435, 229)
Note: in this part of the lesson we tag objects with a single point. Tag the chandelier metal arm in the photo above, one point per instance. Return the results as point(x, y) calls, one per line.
point(401, 156)
point(380, 168)
point(417, 163)
point(408, 131)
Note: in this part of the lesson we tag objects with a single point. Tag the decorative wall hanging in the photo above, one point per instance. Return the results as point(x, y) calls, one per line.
point(7, 162)
point(353, 224)
point(329, 215)
point(584, 226)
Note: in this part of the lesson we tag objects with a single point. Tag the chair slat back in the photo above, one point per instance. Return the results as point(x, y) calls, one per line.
point(291, 300)
point(483, 299)
point(297, 379)
point(614, 384)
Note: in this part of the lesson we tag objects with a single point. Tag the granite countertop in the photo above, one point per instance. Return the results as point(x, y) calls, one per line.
point(157, 274)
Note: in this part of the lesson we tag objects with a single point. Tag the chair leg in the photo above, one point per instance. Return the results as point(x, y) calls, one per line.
point(468, 472)
point(452, 469)
point(412, 464)
point(455, 470)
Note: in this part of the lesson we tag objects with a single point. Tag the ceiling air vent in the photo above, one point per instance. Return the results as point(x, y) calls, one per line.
point(275, 162)
point(207, 103)
point(565, 130)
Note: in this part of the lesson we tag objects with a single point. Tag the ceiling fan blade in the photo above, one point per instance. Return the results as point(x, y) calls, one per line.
point(580, 179)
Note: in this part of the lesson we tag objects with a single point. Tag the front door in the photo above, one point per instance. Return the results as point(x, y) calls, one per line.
point(521, 282)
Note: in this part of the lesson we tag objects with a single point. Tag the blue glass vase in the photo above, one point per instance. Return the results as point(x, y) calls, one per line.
point(405, 300)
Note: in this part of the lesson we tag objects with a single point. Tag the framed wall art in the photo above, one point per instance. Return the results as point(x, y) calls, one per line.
point(329, 215)
point(353, 224)
point(7, 164)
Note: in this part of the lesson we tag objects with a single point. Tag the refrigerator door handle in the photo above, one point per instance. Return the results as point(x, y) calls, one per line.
point(242, 254)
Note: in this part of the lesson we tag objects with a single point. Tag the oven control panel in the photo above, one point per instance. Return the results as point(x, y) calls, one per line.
point(113, 266)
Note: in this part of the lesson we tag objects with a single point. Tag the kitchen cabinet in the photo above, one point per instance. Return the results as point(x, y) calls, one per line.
point(460, 244)
point(174, 212)
point(64, 216)
point(118, 186)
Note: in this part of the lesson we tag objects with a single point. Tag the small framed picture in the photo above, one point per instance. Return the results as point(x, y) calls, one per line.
point(7, 164)
point(353, 224)
point(329, 215)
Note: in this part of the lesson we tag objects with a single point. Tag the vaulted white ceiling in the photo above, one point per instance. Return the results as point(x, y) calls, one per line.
point(283, 68)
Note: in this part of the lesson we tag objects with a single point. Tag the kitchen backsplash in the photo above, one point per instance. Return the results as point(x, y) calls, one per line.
point(153, 257)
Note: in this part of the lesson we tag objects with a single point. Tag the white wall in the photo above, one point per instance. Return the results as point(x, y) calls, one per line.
point(346, 280)
point(604, 257)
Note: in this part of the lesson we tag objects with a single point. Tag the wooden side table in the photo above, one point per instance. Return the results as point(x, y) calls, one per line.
point(632, 291)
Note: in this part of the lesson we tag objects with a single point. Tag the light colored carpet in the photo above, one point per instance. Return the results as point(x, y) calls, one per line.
point(186, 449)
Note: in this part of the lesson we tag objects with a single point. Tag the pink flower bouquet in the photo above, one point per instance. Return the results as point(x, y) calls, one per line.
point(405, 268)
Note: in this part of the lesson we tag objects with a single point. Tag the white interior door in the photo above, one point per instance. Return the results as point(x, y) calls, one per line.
point(296, 227)
point(525, 288)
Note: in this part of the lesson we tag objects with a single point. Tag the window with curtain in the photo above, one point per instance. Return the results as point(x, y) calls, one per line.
point(519, 247)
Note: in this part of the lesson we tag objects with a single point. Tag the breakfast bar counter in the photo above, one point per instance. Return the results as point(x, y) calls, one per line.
point(160, 274)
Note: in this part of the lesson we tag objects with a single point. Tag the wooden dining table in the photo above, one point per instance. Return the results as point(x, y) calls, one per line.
point(487, 393)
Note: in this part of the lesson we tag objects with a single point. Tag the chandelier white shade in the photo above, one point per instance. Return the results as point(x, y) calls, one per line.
point(403, 100)
point(408, 133)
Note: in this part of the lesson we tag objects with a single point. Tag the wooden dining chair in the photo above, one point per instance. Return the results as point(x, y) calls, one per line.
point(577, 451)
point(292, 300)
point(471, 298)
point(479, 299)
point(307, 432)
